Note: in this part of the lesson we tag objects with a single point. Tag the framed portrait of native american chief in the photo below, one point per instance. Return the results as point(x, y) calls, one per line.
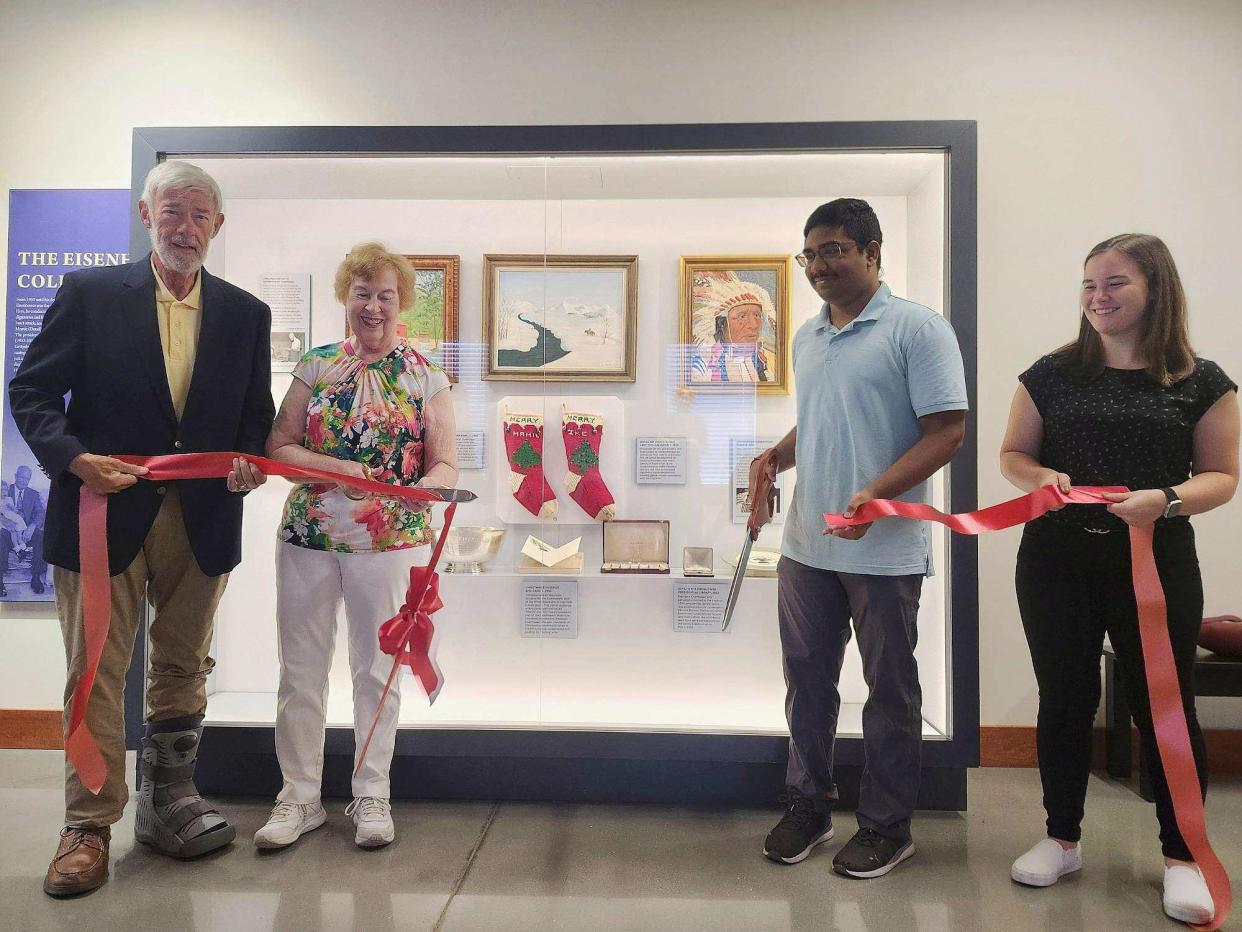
point(560, 318)
point(734, 322)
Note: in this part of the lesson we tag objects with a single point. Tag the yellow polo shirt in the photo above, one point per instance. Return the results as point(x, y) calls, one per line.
point(179, 325)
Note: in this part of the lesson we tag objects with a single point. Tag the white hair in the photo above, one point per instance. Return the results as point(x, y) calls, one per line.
point(180, 176)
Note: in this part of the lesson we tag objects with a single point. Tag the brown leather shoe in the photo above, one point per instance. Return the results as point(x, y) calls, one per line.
point(81, 862)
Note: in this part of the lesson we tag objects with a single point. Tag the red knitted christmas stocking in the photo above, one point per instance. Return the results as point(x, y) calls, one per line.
point(582, 434)
point(524, 450)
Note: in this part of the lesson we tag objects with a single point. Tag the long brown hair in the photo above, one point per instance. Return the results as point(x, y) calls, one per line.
point(1165, 342)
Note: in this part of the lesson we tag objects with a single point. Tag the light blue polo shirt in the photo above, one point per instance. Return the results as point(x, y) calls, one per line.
point(861, 391)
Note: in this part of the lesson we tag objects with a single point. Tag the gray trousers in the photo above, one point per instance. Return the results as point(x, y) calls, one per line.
point(815, 607)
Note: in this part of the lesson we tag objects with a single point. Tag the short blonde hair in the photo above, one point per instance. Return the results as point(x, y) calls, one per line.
point(367, 260)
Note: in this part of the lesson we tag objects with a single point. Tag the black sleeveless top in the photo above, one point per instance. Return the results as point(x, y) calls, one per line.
point(1119, 428)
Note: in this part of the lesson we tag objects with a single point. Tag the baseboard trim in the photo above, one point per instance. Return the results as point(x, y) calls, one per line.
point(1007, 746)
point(31, 729)
point(1014, 746)
point(999, 745)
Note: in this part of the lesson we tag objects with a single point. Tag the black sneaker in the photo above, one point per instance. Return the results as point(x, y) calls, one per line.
point(801, 828)
point(870, 854)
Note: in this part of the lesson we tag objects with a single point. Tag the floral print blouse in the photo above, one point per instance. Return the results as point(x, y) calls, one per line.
point(371, 413)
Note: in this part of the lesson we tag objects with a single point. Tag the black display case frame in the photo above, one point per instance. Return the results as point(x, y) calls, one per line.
point(647, 766)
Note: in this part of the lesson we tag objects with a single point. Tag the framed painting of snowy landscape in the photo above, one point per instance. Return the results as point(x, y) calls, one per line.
point(560, 318)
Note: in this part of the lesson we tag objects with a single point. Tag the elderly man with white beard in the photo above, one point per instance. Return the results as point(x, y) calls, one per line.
point(157, 357)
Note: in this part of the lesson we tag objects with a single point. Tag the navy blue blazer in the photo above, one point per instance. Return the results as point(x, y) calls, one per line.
point(100, 343)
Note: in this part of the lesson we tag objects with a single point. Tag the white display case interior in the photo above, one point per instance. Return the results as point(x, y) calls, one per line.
point(627, 669)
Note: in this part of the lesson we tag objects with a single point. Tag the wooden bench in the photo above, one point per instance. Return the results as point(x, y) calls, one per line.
point(1214, 676)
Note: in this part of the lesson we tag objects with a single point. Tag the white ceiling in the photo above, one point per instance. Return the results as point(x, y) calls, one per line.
point(568, 178)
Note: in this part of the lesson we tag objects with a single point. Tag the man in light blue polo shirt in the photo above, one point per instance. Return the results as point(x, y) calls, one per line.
point(881, 400)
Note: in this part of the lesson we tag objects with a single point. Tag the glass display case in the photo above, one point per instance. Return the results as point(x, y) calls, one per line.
point(570, 283)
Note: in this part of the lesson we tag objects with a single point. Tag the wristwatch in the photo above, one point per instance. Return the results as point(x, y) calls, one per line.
point(1174, 507)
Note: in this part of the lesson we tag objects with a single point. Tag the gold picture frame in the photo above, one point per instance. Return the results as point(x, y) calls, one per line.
point(712, 289)
point(560, 318)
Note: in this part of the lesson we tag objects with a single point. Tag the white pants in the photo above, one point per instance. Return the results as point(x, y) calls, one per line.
point(310, 585)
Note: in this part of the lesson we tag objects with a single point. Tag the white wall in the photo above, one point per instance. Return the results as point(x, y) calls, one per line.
point(1093, 119)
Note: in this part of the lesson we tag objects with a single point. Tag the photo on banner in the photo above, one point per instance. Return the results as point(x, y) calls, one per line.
point(51, 232)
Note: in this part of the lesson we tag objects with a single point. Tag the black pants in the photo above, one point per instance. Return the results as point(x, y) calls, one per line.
point(1073, 587)
point(814, 608)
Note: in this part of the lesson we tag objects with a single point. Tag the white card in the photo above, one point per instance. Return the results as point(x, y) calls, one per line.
point(545, 553)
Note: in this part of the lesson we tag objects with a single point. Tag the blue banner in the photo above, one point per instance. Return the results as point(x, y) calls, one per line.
point(51, 232)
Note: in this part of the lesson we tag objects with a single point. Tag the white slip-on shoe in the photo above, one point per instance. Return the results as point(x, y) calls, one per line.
point(1186, 896)
point(289, 822)
point(373, 819)
point(1046, 863)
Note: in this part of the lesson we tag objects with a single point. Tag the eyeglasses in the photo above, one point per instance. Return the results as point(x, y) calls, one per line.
point(830, 250)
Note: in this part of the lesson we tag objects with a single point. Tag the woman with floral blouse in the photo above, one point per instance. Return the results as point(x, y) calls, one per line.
point(370, 407)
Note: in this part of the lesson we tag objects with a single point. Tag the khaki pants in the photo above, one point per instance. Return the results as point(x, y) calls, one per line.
point(185, 601)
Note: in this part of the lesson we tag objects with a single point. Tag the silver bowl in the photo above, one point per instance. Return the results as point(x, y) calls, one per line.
point(468, 548)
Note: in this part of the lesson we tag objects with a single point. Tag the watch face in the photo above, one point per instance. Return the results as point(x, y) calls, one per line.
point(1174, 509)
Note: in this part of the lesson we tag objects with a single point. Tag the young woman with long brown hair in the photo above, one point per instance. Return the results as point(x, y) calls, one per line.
point(1126, 403)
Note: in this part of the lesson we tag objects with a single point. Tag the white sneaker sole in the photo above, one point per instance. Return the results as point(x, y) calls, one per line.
point(901, 855)
point(804, 853)
point(1189, 914)
point(1031, 879)
point(374, 841)
point(268, 843)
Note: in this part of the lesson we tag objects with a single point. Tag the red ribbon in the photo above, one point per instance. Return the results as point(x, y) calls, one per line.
point(411, 645)
point(409, 636)
point(1168, 716)
point(80, 745)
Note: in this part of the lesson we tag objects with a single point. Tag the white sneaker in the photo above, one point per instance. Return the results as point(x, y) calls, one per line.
point(373, 818)
point(1186, 896)
point(288, 822)
point(1046, 863)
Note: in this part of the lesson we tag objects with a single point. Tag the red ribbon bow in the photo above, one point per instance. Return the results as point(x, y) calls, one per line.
point(1167, 715)
point(408, 635)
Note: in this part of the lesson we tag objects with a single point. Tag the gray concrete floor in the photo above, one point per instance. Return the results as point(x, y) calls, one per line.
point(509, 866)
